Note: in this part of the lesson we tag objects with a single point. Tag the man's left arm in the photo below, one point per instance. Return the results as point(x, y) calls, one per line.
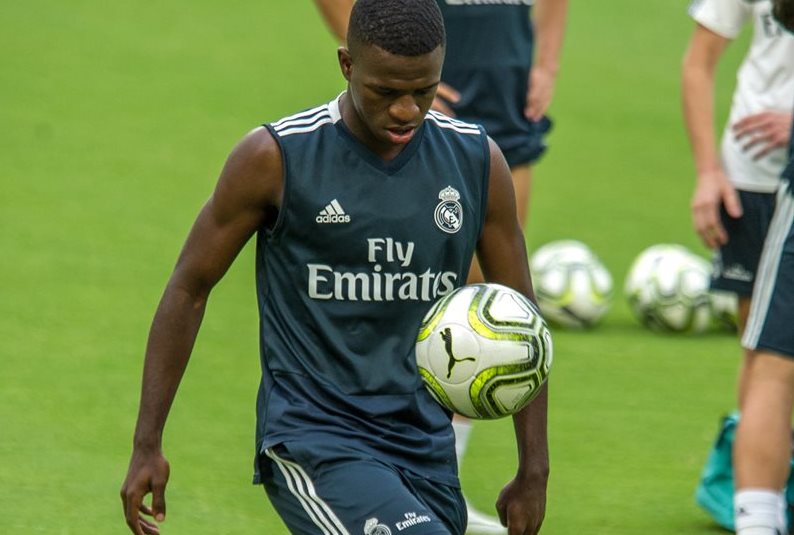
point(503, 257)
point(548, 17)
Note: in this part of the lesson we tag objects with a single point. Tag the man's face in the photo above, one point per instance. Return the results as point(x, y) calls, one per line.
point(784, 13)
point(388, 95)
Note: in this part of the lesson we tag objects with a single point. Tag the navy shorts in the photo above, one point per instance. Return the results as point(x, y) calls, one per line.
point(360, 496)
point(770, 326)
point(736, 262)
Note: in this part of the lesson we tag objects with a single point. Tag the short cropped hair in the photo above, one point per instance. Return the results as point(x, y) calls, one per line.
point(401, 27)
point(784, 13)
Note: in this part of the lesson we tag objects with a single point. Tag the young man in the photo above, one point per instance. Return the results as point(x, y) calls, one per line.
point(734, 197)
point(349, 258)
point(500, 70)
point(762, 453)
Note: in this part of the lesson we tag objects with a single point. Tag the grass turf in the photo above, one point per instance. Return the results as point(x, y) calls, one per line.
point(116, 123)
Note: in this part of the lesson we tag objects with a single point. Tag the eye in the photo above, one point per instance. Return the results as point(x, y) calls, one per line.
point(385, 91)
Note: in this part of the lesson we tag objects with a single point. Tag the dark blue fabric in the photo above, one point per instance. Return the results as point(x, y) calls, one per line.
point(488, 60)
point(341, 300)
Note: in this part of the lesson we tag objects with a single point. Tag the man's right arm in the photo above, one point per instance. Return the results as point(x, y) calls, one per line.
point(713, 188)
point(248, 195)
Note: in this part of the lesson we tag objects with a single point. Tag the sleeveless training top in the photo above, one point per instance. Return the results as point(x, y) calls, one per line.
point(488, 59)
point(361, 249)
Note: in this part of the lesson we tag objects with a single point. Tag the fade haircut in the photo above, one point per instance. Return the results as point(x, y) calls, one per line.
point(784, 13)
point(401, 27)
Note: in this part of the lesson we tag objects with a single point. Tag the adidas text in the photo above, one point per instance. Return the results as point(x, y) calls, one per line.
point(336, 218)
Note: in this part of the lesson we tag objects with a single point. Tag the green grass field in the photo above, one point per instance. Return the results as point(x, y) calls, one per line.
point(116, 120)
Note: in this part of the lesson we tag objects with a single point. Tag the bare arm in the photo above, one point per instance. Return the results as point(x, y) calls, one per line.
point(247, 194)
point(697, 88)
point(336, 14)
point(549, 20)
point(503, 257)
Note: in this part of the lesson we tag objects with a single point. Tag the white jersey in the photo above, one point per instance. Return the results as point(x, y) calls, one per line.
point(765, 82)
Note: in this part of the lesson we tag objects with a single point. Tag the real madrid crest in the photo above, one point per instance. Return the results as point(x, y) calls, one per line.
point(449, 212)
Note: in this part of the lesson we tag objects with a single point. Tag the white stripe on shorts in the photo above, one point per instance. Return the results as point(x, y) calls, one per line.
point(303, 489)
point(768, 266)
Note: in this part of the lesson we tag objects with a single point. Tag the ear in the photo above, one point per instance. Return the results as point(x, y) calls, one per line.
point(345, 62)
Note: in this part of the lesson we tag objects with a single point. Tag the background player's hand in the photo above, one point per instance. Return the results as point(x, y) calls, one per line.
point(763, 132)
point(713, 190)
point(522, 505)
point(148, 473)
point(541, 90)
point(445, 95)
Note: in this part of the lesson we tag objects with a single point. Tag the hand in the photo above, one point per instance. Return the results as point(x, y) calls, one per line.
point(763, 132)
point(148, 472)
point(522, 505)
point(541, 90)
point(445, 95)
point(713, 190)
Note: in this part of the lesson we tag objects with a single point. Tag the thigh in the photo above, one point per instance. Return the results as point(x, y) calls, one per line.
point(353, 496)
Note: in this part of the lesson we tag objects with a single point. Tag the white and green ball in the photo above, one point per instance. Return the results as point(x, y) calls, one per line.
point(667, 288)
point(484, 351)
point(572, 285)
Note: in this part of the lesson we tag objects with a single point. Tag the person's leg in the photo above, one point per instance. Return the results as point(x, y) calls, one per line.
point(354, 496)
point(748, 357)
point(762, 452)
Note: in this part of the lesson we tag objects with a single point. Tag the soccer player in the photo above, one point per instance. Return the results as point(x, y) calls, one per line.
point(734, 196)
point(350, 255)
point(762, 453)
point(490, 77)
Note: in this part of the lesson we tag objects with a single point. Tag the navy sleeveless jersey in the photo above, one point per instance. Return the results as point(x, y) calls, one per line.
point(488, 59)
point(360, 251)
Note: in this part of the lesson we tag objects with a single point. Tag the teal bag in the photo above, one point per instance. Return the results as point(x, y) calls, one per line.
point(714, 492)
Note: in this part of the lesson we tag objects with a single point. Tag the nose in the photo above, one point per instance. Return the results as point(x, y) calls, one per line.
point(404, 109)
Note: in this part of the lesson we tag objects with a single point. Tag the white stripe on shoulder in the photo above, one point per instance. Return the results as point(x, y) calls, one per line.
point(301, 115)
point(443, 121)
point(305, 129)
point(302, 488)
point(304, 121)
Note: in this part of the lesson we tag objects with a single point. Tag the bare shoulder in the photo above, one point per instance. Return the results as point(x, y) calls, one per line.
point(254, 170)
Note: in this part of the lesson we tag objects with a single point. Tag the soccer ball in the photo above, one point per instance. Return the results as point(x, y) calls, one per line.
point(484, 351)
point(725, 309)
point(668, 289)
point(573, 287)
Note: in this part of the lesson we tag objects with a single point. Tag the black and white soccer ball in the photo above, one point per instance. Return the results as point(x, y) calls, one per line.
point(667, 288)
point(572, 285)
point(484, 351)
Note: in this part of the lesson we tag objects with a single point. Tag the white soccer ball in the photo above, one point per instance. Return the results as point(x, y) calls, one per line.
point(668, 289)
point(573, 287)
point(725, 309)
point(484, 351)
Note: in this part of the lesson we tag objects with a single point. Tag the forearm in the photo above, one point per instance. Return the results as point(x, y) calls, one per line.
point(549, 24)
point(531, 436)
point(170, 343)
point(336, 14)
point(698, 108)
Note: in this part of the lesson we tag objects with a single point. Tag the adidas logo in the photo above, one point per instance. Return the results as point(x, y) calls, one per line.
point(333, 213)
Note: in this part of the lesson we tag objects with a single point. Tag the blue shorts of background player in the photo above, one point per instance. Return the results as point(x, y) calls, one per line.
point(357, 495)
point(771, 323)
point(736, 262)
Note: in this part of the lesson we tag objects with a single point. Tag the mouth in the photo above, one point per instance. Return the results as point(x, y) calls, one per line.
point(401, 135)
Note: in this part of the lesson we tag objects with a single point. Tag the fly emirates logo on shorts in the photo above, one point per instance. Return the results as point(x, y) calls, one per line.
point(389, 279)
